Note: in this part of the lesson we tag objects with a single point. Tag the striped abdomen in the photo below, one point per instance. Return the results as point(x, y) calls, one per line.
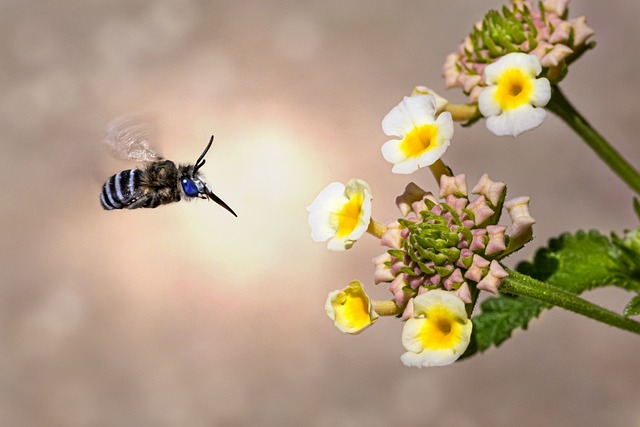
point(121, 190)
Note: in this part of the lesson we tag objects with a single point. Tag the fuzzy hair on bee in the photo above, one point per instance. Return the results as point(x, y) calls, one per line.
point(159, 182)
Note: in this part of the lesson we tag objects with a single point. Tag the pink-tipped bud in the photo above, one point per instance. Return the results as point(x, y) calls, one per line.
point(457, 203)
point(397, 288)
point(454, 185)
point(393, 237)
point(496, 242)
point(493, 279)
point(408, 311)
point(464, 293)
point(478, 243)
point(477, 269)
point(491, 190)
point(412, 193)
point(383, 271)
point(518, 210)
point(454, 278)
point(581, 32)
point(480, 209)
point(558, 54)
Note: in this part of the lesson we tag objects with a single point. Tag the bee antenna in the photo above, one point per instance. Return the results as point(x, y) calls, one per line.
point(200, 161)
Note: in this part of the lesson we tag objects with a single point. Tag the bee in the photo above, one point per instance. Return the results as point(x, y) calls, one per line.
point(160, 181)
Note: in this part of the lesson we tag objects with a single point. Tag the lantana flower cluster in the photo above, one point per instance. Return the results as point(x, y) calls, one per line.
point(522, 28)
point(444, 249)
point(441, 253)
point(453, 243)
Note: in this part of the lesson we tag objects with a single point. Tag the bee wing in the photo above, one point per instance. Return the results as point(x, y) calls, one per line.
point(129, 138)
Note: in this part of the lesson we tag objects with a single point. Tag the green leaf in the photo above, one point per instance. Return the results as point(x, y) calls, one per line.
point(580, 262)
point(633, 308)
point(500, 317)
point(573, 262)
point(636, 207)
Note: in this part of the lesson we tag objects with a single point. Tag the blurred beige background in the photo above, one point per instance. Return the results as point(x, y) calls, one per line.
point(186, 316)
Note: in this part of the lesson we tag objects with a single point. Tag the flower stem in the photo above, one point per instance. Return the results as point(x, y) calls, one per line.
point(438, 169)
point(386, 307)
point(376, 228)
point(519, 284)
point(463, 112)
point(560, 106)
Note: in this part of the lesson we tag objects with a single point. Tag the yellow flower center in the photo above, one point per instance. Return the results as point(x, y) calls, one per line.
point(349, 216)
point(352, 308)
point(419, 140)
point(514, 89)
point(442, 329)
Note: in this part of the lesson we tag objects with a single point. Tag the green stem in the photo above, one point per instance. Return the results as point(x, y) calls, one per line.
point(376, 228)
point(519, 284)
point(386, 308)
point(560, 106)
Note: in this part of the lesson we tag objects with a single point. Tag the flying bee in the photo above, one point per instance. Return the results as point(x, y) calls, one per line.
point(159, 182)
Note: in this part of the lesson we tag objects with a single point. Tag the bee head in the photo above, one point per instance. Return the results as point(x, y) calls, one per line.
point(193, 185)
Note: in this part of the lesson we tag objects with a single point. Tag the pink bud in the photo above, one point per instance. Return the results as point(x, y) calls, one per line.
point(491, 190)
point(468, 81)
point(581, 32)
point(477, 244)
point(456, 185)
point(561, 33)
point(464, 293)
point(493, 279)
point(518, 209)
point(383, 272)
point(557, 54)
point(557, 6)
point(392, 237)
point(412, 193)
point(457, 203)
point(397, 288)
point(408, 311)
point(476, 271)
point(496, 242)
point(480, 209)
point(453, 279)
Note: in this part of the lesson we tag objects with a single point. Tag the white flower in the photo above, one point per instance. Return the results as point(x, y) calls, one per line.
point(423, 138)
point(439, 331)
point(341, 214)
point(512, 102)
point(350, 309)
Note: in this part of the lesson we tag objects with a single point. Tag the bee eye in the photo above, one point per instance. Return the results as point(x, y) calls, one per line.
point(189, 187)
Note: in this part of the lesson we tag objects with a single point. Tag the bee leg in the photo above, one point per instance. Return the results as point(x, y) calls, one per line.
point(140, 203)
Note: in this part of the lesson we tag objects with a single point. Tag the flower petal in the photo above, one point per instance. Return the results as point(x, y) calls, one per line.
point(350, 308)
point(412, 111)
point(439, 332)
point(528, 64)
point(487, 102)
point(329, 200)
point(341, 214)
point(541, 92)
point(516, 121)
